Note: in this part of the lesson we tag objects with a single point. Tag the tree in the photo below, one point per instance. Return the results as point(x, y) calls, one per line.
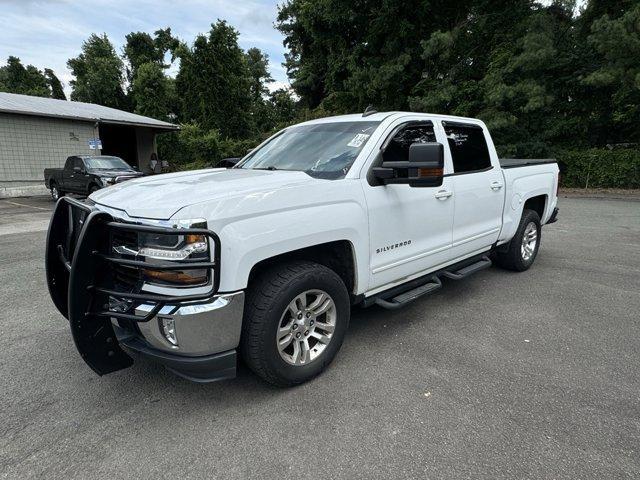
point(54, 84)
point(259, 76)
point(141, 48)
point(98, 73)
point(283, 107)
point(611, 78)
point(16, 78)
point(213, 83)
point(152, 92)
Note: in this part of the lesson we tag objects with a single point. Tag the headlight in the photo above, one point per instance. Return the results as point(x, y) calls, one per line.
point(108, 181)
point(160, 248)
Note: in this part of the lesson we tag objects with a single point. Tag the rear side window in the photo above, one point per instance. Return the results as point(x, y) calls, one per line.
point(468, 147)
point(398, 148)
point(69, 163)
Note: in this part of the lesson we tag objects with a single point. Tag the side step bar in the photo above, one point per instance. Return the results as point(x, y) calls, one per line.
point(484, 262)
point(400, 296)
point(410, 295)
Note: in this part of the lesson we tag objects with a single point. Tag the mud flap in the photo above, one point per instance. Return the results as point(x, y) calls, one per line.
point(93, 335)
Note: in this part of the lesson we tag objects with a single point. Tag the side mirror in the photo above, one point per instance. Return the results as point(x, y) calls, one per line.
point(425, 167)
point(429, 161)
point(228, 162)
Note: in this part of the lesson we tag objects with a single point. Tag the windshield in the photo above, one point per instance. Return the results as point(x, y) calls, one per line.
point(324, 150)
point(106, 163)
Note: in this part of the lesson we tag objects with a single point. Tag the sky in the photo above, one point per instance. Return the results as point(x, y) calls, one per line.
point(48, 33)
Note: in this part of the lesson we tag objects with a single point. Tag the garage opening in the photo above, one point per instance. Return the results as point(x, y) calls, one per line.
point(120, 141)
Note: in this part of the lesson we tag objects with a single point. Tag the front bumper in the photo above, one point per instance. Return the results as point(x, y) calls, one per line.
point(201, 369)
point(108, 320)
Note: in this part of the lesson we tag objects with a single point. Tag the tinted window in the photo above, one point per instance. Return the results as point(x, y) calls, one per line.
point(398, 148)
point(68, 165)
point(77, 162)
point(468, 147)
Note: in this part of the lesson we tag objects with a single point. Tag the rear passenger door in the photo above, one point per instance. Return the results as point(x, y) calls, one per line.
point(479, 189)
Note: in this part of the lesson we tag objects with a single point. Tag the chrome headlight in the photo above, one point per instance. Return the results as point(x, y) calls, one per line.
point(158, 248)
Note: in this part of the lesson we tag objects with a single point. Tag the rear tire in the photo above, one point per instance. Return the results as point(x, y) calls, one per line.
point(523, 247)
point(296, 317)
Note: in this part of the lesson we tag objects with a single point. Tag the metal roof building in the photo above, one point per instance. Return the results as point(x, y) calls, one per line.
point(38, 133)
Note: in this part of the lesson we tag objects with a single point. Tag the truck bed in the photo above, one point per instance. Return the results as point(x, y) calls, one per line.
point(524, 162)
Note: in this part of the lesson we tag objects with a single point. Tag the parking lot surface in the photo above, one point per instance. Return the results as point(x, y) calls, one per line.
point(502, 375)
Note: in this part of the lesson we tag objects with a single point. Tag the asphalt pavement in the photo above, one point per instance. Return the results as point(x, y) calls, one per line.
point(502, 375)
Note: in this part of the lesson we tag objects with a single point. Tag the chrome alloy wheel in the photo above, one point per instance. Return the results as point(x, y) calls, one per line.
point(529, 241)
point(306, 327)
point(55, 193)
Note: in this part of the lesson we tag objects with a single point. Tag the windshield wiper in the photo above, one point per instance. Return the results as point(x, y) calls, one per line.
point(270, 167)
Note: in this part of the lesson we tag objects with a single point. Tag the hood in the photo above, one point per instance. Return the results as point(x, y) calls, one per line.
point(162, 196)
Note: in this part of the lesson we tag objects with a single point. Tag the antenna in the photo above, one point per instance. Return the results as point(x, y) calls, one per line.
point(370, 110)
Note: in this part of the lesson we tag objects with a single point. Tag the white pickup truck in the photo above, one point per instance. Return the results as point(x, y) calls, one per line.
point(266, 259)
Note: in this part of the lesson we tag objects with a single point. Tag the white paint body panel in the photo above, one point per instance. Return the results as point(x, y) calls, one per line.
point(260, 214)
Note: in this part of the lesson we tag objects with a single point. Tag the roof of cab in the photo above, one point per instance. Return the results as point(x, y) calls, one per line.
point(380, 116)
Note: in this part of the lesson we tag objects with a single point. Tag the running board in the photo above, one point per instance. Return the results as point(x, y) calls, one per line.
point(484, 262)
point(410, 295)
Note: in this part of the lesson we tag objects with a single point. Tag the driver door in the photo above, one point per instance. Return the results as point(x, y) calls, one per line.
point(410, 227)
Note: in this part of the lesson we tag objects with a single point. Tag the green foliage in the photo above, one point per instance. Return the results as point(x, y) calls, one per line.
point(55, 85)
point(98, 74)
point(152, 91)
point(541, 76)
point(16, 78)
point(195, 147)
point(214, 83)
point(601, 168)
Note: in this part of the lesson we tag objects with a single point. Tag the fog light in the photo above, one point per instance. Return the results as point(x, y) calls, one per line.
point(168, 329)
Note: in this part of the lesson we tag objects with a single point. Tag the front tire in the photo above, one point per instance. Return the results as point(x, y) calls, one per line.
point(296, 317)
point(523, 247)
point(55, 192)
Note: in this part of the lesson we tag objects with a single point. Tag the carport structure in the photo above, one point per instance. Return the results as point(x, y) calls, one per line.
point(38, 133)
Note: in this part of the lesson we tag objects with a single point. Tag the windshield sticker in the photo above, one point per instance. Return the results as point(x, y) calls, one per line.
point(358, 140)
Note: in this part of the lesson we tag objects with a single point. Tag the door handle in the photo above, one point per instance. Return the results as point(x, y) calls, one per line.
point(443, 194)
point(496, 185)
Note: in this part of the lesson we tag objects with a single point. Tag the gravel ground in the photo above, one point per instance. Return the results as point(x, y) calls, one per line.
point(502, 375)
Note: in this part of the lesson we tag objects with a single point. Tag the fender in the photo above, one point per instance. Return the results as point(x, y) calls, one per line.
point(247, 242)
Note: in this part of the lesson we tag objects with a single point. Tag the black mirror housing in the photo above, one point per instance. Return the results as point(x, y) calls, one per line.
point(424, 168)
point(429, 160)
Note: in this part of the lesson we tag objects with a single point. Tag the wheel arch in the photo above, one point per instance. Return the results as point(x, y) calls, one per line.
point(537, 203)
point(338, 255)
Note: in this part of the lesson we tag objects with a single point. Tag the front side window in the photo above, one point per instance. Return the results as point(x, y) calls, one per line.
point(468, 146)
point(323, 150)
point(398, 148)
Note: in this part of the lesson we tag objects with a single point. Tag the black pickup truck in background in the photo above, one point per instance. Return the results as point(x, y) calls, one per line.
point(84, 174)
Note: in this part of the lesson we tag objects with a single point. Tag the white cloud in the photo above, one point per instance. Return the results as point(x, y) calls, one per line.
point(47, 33)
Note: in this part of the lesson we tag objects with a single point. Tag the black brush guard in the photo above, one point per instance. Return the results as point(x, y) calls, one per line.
point(79, 268)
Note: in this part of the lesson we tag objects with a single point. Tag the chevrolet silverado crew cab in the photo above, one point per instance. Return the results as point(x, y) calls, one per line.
point(84, 174)
point(265, 259)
